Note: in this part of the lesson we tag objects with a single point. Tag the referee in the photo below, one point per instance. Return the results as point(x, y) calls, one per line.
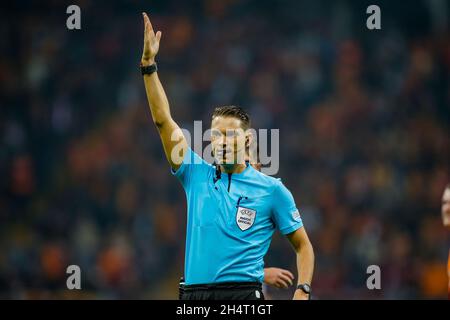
point(233, 209)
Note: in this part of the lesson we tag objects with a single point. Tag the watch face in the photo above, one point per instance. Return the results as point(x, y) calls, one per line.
point(305, 287)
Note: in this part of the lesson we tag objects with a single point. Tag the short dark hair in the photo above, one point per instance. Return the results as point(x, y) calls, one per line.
point(233, 111)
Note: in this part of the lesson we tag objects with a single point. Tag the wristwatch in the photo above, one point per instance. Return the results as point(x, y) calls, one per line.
point(306, 288)
point(149, 69)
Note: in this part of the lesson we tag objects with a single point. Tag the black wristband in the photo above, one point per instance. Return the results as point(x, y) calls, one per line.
point(149, 69)
point(306, 288)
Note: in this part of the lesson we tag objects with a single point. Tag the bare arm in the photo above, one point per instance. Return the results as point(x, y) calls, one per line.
point(305, 259)
point(173, 141)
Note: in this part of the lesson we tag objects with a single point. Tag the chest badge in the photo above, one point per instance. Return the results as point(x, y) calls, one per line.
point(245, 218)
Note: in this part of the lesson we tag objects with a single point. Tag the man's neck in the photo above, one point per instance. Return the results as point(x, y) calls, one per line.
point(233, 168)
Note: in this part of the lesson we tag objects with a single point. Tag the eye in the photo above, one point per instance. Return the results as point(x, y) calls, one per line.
point(232, 133)
point(216, 133)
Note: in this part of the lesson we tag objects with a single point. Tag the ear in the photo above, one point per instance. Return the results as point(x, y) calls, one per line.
point(248, 139)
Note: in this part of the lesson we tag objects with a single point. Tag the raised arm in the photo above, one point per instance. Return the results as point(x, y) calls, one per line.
point(172, 138)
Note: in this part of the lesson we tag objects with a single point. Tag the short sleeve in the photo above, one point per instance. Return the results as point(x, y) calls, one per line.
point(285, 213)
point(191, 163)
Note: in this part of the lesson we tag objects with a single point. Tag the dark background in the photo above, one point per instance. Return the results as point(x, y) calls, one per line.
point(364, 131)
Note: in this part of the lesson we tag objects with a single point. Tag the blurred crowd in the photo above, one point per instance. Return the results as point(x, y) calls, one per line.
point(364, 139)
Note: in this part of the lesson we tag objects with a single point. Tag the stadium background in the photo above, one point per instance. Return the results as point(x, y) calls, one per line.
point(363, 117)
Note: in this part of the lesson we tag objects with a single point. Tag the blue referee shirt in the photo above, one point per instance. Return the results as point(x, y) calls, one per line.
point(230, 221)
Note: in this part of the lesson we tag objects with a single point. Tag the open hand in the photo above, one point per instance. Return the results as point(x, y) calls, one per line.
point(151, 42)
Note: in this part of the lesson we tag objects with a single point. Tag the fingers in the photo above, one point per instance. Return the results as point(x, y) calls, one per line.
point(158, 35)
point(144, 16)
point(279, 278)
point(287, 273)
point(282, 283)
point(146, 34)
point(148, 24)
point(286, 279)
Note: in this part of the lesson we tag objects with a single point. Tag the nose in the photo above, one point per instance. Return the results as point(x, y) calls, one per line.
point(223, 142)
